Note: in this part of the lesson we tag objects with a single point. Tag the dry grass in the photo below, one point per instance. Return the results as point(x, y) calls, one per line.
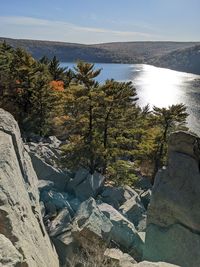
point(93, 258)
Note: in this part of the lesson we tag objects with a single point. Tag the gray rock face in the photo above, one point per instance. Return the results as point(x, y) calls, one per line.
point(9, 255)
point(91, 225)
point(85, 185)
point(45, 185)
point(153, 264)
point(60, 223)
point(45, 157)
point(117, 258)
point(135, 212)
point(173, 231)
point(116, 196)
point(123, 232)
point(24, 241)
point(48, 172)
point(145, 198)
point(47, 149)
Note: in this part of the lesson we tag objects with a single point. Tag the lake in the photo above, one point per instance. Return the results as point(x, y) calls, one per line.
point(158, 86)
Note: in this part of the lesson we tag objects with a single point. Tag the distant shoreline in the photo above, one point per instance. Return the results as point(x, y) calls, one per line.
point(178, 56)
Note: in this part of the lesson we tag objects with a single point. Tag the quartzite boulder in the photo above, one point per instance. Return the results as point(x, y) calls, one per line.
point(91, 226)
point(85, 185)
point(116, 196)
point(117, 258)
point(152, 264)
point(123, 232)
point(173, 231)
point(48, 172)
point(21, 227)
point(135, 212)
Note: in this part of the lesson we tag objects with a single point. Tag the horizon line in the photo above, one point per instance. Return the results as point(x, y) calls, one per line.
point(86, 44)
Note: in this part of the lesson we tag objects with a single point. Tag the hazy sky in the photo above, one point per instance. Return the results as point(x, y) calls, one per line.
point(95, 21)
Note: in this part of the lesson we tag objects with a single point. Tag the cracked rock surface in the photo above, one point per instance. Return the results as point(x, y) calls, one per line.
point(24, 241)
point(173, 228)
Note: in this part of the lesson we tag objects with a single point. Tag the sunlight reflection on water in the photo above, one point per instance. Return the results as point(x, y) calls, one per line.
point(157, 86)
point(163, 87)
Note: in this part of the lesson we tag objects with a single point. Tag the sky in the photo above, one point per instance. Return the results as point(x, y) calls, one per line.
point(100, 21)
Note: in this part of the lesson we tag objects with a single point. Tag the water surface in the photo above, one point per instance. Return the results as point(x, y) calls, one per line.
point(158, 86)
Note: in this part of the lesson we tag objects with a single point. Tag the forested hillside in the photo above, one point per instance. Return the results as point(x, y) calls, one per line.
point(105, 128)
point(187, 60)
point(164, 54)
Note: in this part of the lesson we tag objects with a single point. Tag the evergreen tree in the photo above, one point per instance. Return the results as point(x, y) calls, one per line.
point(56, 72)
point(169, 119)
point(116, 112)
point(101, 122)
point(25, 89)
point(42, 102)
point(7, 82)
point(80, 107)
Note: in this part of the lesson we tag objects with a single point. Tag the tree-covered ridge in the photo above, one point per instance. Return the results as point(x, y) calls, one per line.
point(186, 60)
point(181, 56)
point(104, 127)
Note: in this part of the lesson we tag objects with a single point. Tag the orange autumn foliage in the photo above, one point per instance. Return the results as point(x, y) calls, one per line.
point(57, 86)
point(19, 90)
point(17, 81)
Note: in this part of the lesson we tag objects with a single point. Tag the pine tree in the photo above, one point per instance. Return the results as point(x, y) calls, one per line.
point(116, 112)
point(169, 119)
point(80, 108)
point(56, 72)
point(42, 101)
point(101, 122)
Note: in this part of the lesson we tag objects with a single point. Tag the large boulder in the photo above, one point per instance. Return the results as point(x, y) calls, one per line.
point(55, 201)
point(50, 154)
point(46, 148)
point(174, 211)
point(48, 172)
point(60, 231)
point(24, 240)
point(89, 232)
point(46, 156)
point(135, 212)
point(116, 196)
point(60, 222)
point(115, 257)
point(91, 226)
point(153, 264)
point(123, 232)
point(85, 185)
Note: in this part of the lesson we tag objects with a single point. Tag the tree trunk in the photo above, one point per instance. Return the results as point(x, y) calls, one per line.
point(159, 155)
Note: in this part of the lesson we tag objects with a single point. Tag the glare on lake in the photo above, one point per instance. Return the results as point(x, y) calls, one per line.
point(163, 87)
point(157, 86)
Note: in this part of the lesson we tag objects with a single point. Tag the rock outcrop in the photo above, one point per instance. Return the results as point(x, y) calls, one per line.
point(85, 185)
point(88, 222)
point(23, 238)
point(152, 264)
point(173, 230)
point(117, 258)
point(117, 196)
point(123, 232)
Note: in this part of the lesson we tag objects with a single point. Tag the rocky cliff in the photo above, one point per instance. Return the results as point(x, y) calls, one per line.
point(23, 237)
point(91, 223)
point(173, 229)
